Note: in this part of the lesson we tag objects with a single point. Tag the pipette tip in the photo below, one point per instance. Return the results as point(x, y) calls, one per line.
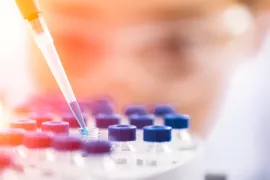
point(84, 131)
point(74, 106)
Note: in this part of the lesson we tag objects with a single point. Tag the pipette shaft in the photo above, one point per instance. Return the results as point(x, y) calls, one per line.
point(43, 38)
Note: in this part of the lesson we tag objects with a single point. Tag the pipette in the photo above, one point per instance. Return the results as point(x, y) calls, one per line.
point(32, 13)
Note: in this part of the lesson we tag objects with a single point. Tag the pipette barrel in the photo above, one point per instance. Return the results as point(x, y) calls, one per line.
point(43, 38)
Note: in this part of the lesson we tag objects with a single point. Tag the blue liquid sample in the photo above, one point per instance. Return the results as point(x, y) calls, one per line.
point(74, 106)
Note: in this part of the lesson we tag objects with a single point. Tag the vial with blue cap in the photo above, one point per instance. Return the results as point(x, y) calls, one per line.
point(140, 121)
point(103, 121)
point(157, 152)
point(161, 110)
point(65, 150)
point(96, 162)
point(34, 155)
point(182, 139)
point(123, 138)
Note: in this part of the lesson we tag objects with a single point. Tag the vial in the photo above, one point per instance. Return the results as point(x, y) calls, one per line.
point(157, 152)
point(101, 106)
point(73, 123)
point(160, 110)
point(34, 155)
point(41, 117)
point(140, 121)
point(123, 150)
point(103, 121)
point(11, 141)
point(163, 109)
point(135, 109)
point(65, 150)
point(9, 169)
point(182, 139)
point(25, 124)
point(97, 162)
point(55, 127)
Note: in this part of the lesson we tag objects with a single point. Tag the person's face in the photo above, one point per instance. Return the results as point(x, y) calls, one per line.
point(173, 51)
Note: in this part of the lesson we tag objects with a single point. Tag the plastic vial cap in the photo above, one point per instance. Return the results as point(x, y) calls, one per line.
point(157, 133)
point(105, 120)
point(73, 123)
point(122, 133)
point(163, 109)
point(177, 121)
point(101, 106)
point(57, 127)
point(11, 137)
point(66, 143)
point(37, 140)
point(41, 117)
point(5, 161)
point(140, 121)
point(26, 124)
point(135, 109)
point(97, 147)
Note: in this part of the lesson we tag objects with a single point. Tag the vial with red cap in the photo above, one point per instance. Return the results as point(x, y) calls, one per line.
point(34, 155)
point(25, 124)
point(65, 150)
point(11, 141)
point(41, 117)
point(9, 168)
point(55, 127)
point(74, 126)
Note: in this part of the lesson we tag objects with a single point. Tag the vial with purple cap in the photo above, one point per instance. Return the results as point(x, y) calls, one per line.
point(161, 110)
point(140, 121)
point(103, 121)
point(34, 155)
point(133, 109)
point(123, 138)
point(157, 152)
point(62, 156)
point(55, 127)
point(97, 162)
point(101, 106)
point(182, 139)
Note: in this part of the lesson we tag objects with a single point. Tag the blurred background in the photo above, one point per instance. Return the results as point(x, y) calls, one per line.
point(207, 58)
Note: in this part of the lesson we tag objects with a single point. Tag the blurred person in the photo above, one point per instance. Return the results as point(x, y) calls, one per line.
point(180, 52)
